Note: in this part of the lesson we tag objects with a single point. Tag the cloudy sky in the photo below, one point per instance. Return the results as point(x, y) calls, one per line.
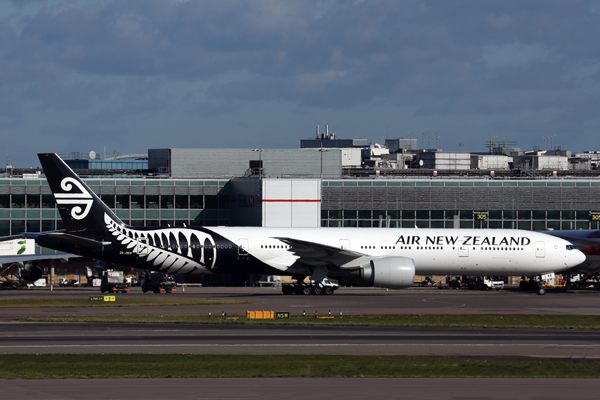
point(128, 75)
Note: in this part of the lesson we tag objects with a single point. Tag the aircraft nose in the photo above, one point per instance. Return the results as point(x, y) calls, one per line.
point(577, 257)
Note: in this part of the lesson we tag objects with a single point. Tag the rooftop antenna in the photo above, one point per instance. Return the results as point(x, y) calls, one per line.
point(551, 137)
point(491, 143)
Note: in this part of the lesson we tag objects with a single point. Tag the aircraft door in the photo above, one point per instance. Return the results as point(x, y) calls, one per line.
point(142, 248)
point(345, 244)
point(463, 251)
point(540, 250)
point(243, 247)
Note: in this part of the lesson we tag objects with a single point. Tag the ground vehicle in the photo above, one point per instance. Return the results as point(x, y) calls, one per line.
point(326, 286)
point(11, 283)
point(158, 282)
point(112, 281)
point(68, 282)
point(484, 282)
point(540, 284)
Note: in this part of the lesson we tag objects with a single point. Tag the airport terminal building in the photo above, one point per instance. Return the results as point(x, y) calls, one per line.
point(307, 188)
point(26, 205)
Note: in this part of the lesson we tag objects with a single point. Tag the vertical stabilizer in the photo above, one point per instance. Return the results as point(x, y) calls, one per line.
point(80, 209)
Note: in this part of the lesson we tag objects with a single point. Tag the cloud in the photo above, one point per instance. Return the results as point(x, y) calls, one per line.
point(127, 61)
point(514, 54)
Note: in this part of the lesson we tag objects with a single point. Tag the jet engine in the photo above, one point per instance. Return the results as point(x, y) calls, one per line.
point(30, 273)
point(389, 272)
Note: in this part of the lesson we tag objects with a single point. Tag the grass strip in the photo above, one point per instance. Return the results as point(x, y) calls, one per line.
point(121, 301)
point(427, 321)
point(103, 366)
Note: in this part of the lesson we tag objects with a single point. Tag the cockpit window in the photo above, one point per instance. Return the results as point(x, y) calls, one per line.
point(569, 247)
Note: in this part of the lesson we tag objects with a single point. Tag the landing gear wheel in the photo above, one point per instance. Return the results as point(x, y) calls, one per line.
point(287, 289)
point(317, 290)
point(541, 291)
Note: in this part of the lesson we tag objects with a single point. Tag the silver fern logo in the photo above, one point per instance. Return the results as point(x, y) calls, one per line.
point(170, 250)
point(83, 198)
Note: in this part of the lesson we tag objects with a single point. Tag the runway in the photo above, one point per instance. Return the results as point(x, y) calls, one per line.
point(80, 338)
point(301, 388)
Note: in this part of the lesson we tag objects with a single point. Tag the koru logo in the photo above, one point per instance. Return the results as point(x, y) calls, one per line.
point(78, 199)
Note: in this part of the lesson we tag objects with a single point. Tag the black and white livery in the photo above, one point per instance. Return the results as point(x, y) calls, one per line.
point(354, 256)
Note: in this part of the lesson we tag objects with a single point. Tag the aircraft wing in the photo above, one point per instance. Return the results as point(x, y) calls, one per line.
point(58, 236)
point(46, 237)
point(317, 254)
point(13, 237)
point(35, 257)
point(65, 238)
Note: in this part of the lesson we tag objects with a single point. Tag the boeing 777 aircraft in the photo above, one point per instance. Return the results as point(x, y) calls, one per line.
point(387, 258)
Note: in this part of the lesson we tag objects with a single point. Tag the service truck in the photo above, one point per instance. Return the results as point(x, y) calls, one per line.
point(158, 282)
point(113, 282)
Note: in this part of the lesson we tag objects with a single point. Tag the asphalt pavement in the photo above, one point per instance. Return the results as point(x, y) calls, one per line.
point(80, 338)
point(347, 300)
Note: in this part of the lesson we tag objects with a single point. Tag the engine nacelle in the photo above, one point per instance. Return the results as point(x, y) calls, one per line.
point(389, 272)
point(31, 273)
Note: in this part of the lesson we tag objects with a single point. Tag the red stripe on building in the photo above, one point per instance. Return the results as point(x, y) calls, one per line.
point(291, 201)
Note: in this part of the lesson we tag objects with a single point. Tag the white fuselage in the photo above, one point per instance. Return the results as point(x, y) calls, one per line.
point(434, 251)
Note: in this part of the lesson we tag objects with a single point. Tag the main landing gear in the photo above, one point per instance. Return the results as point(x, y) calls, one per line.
point(325, 287)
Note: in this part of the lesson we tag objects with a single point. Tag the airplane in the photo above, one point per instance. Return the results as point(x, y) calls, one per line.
point(387, 258)
point(19, 265)
point(22, 274)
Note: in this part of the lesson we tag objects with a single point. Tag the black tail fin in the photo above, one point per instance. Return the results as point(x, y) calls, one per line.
point(80, 209)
